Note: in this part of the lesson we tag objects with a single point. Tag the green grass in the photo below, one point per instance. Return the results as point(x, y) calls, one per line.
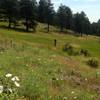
point(46, 72)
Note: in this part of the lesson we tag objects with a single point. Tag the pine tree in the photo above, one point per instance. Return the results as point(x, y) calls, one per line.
point(28, 13)
point(10, 10)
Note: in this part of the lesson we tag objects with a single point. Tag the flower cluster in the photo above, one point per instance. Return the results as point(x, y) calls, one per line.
point(9, 83)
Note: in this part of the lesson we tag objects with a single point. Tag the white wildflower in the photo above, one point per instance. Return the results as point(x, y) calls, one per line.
point(57, 79)
point(86, 79)
point(10, 90)
point(27, 65)
point(72, 92)
point(65, 98)
point(15, 78)
point(8, 75)
point(17, 84)
point(1, 89)
point(75, 97)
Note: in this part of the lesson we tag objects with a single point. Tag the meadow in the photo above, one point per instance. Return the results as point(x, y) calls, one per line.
point(47, 72)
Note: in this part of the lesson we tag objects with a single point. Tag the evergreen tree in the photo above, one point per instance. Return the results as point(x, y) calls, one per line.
point(81, 23)
point(68, 18)
point(28, 13)
point(49, 13)
point(64, 17)
point(42, 11)
point(10, 10)
point(61, 17)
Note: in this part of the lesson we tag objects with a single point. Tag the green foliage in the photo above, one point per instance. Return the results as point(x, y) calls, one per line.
point(70, 50)
point(10, 10)
point(28, 13)
point(93, 63)
point(64, 14)
point(45, 71)
point(85, 52)
point(81, 23)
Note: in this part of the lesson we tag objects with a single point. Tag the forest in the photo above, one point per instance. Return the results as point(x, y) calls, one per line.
point(30, 12)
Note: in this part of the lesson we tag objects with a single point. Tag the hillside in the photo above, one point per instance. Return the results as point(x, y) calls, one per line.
point(47, 72)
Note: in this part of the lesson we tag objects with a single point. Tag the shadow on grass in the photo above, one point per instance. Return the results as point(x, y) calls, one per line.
point(16, 29)
point(19, 29)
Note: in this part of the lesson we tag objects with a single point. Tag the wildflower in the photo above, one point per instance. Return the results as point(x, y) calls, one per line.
point(86, 79)
point(72, 92)
point(65, 98)
point(17, 84)
point(1, 89)
point(15, 78)
point(61, 79)
point(10, 90)
point(8, 75)
point(75, 97)
point(57, 79)
point(27, 65)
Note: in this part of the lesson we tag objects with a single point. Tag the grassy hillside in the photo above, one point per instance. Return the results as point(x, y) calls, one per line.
point(47, 72)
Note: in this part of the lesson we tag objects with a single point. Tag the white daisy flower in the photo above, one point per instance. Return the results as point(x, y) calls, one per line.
point(17, 84)
point(10, 90)
point(1, 89)
point(15, 78)
point(8, 75)
point(57, 79)
point(72, 92)
point(75, 97)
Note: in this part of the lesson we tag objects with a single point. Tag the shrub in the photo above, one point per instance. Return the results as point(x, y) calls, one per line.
point(85, 52)
point(70, 50)
point(93, 63)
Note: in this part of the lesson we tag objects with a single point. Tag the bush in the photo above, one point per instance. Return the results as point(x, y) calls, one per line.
point(85, 52)
point(70, 50)
point(93, 63)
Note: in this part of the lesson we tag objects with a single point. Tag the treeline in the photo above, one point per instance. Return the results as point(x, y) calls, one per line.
point(29, 12)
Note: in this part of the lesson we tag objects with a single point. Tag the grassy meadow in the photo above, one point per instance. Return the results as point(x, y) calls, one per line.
point(47, 72)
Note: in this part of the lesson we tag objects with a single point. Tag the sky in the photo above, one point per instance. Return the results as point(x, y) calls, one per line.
point(90, 7)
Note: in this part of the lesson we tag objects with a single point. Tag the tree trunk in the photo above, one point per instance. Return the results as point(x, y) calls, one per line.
point(27, 27)
point(9, 23)
point(48, 27)
point(81, 34)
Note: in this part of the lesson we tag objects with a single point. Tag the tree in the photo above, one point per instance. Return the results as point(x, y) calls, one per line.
point(10, 10)
point(1, 9)
point(28, 13)
point(49, 13)
point(64, 17)
point(68, 18)
point(81, 23)
point(61, 17)
point(42, 11)
point(98, 27)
